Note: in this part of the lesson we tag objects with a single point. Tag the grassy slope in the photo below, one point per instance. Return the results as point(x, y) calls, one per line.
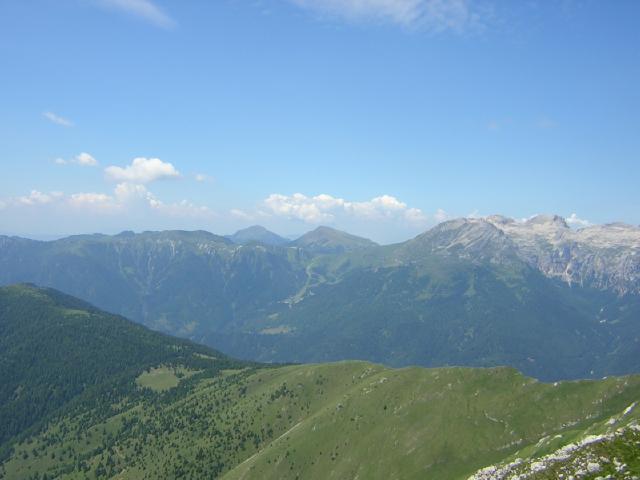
point(606, 449)
point(344, 420)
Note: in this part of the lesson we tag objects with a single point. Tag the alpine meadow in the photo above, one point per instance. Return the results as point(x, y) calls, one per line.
point(319, 239)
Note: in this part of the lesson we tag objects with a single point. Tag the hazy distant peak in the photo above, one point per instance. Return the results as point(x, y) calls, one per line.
point(329, 240)
point(473, 238)
point(555, 220)
point(257, 233)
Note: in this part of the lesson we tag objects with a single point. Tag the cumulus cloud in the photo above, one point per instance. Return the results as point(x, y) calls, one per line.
point(142, 170)
point(144, 9)
point(574, 221)
point(135, 194)
point(435, 15)
point(84, 159)
point(325, 208)
point(57, 119)
point(127, 192)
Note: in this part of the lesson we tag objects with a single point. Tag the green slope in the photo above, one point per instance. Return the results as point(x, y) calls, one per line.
point(605, 450)
point(57, 351)
point(347, 420)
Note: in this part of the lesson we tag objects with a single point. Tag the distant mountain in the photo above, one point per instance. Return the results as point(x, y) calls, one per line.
point(554, 302)
point(472, 240)
point(329, 240)
point(184, 283)
point(144, 405)
point(258, 234)
point(606, 257)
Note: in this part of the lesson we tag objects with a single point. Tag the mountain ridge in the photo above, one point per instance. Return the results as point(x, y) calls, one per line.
point(458, 293)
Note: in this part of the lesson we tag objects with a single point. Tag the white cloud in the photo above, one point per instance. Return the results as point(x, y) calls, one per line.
point(201, 177)
point(142, 170)
point(86, 160)
point(326, 208)
point(127, 192)
point(435, 15)
point(144, 9)
point(133, 195)
point(58, 120)
point(83, 159)
point(574, 221)
point(126, 198)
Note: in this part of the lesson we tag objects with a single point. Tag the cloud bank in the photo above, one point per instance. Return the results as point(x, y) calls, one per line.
point(142, 170)
point(325, 208)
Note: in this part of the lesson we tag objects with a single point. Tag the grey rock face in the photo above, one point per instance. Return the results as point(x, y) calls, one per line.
point(606, 257)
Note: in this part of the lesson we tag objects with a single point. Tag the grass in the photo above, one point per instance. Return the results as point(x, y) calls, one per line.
point(163, 378)
point(329, 421)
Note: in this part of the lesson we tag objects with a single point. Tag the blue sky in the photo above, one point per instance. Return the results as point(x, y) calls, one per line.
point(380, 117)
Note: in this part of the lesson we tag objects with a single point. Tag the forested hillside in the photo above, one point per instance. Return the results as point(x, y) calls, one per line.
point(59, 353)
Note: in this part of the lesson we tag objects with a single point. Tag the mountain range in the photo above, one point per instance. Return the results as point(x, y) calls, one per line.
point(89, 395)
point(537, 295)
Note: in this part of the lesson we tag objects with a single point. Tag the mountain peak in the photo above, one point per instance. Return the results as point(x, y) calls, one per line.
point(329, 240)
point(555, 220)
point(474, 238)
point(257, 233)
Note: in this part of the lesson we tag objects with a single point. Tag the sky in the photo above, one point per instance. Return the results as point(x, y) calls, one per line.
point(379, 117)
